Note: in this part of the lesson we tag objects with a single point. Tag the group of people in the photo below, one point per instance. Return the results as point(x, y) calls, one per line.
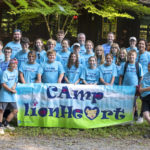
point(82, 63)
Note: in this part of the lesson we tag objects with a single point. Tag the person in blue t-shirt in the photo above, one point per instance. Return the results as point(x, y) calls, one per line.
point(90, 74)
point(9, 81)
point(121, 59)
point(40, 52)
point(143, 56)
point(145, 95)
point(130, 77)
point(108, 71)
point(50, 47)
point(132, 42)
point(4, 64)
point(15, 44)
point(73, 70)
point(64, 53)
point(52, 71)
point(114, 50)
point(81, 38)
point(2, 57)
point(99, 54)
point(22, 56)
point(89, 51)
point(76, 49)
point(110, 40)
point(29, 72)
point(60, 36)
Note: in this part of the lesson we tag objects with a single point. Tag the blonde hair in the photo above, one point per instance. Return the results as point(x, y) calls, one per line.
point(89, 41)
point(118, 61)
point(51, 52)
point(102, 56)
point(51, 41)
point(114, 45)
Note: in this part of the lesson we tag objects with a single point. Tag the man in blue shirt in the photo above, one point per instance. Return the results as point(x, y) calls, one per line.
point(15, 44)
point(110, 40)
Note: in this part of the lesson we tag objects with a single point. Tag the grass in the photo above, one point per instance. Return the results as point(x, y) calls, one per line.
point(118, 131)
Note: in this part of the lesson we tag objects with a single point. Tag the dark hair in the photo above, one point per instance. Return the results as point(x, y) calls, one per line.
point(25, 40)
point(35, 47)
point(8, 49)
point(66, 40)
point(32, 53)
point(144, 42)
point(69, 61)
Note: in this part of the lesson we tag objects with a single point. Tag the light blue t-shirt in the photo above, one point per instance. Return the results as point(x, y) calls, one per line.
point(73, 74)
point(0, 75)
point(16, 47)
point(58, 47)
point(22, 57)
point(91, 75)
point(2, 57)
point(129, 48)
point(40, 56)
point(30, 71)
point(144, 59)
point(51, 71)
point(4, 65)
point(64, 57)
point(146, 83)
point(9, 78)
point(106, 47)
point(130, 76)
point(107, 72)
point(86, 58)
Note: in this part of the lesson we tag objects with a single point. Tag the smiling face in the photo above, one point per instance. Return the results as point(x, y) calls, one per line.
point(73, 58)
point(17, 36)
point(142, 46)
point(132, 57)
point(132, 43)
point(65, 44)
point(92, 62)
point(60, 37)
point(7, 53)
point(81, 39)
point(39, 44)
point(89, 47)
point(122, 54)
point(31, 58)
point(99, 51)
point(108, 60)
point(25, 46)
point(110, 38)
point(51, 57)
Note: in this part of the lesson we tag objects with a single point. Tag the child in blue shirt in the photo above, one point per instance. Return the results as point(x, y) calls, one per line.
point(52, 71)
point(40, 52)
point(99, 54)
point(76, 49)
point(4, 64)
point(121, 59)
point(29, 72)
point(7, 93)
point(22, 56)
point(89, 51)
point(108, 71)
point(90, 74)
point(64, 53)
point(73, 70)
point(114, 50)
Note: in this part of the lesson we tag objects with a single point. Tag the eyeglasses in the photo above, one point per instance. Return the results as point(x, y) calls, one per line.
point(7, 52)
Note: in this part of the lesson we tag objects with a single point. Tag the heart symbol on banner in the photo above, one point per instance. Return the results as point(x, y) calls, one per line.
point(91, 113)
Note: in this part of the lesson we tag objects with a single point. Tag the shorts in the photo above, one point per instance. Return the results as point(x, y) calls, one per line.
point(10, 105)
point(146, 103)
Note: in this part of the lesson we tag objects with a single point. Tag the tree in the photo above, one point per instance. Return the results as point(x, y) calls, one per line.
point(59, 13)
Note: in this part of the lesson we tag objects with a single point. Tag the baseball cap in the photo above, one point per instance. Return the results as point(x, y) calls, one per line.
point(76, 44)
point(132, 38)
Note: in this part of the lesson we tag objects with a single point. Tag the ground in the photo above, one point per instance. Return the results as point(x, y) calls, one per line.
point(110, 138)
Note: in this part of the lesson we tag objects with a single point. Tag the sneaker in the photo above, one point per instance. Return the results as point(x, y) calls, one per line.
point(2, 131)
point(140, 120)
point(9, 127)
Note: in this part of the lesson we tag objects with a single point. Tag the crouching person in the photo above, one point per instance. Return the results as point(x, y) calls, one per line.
point(7, 93)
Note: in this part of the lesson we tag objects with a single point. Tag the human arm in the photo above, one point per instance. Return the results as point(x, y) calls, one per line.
point(4, 85)
point(120, 80)
point(22, 77)
point(38, 80)
point(60, 78)
point(66, 79)
point(103, 82)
